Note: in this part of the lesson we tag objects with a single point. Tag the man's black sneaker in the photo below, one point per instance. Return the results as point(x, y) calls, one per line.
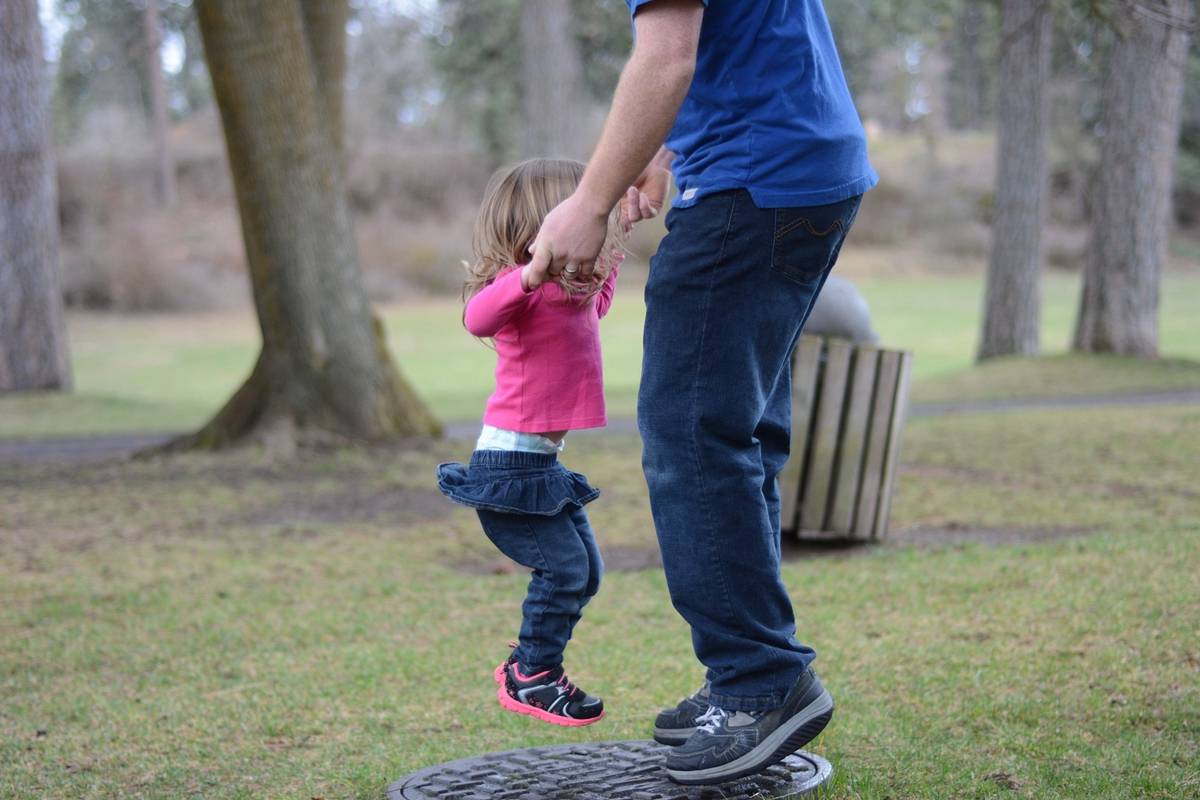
point(674, 725)
point(734, 744)
point(546, 695)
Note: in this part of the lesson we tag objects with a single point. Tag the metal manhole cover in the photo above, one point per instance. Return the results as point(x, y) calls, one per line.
point(602, 771)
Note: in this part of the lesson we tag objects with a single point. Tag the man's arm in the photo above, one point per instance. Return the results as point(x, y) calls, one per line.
point(649, 94)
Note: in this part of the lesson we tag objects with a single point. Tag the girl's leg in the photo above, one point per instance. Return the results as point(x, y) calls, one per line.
point(554, 550)
point(595, 563)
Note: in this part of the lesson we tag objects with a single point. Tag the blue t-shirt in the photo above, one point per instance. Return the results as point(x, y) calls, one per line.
point(768, 110)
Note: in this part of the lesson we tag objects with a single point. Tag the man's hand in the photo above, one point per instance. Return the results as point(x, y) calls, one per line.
point(569, 241)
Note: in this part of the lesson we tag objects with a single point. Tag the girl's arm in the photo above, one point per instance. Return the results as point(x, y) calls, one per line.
point(497, 303)
point(605, 296)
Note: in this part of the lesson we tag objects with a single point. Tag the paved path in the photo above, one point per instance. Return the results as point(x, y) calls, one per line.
point(82, 450)
point(1173, 398)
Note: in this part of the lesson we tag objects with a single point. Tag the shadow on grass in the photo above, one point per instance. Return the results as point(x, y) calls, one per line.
point(631, 558)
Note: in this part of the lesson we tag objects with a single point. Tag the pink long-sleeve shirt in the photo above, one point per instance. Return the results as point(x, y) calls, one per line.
point(549, 375)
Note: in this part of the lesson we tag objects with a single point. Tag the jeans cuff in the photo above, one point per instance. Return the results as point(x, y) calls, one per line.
point(756, 703)
point(536, 657)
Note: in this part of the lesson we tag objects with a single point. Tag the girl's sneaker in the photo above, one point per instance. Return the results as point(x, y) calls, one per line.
point(546, 695)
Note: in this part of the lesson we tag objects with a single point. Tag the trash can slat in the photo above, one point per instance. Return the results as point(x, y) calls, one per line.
point(853, 437)
point(877, 439)
point(893, 448)
point(814, 503)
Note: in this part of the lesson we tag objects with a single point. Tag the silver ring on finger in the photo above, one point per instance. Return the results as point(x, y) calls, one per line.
point(571, 269)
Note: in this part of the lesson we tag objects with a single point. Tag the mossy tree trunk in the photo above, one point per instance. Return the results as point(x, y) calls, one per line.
point(33, 337)
point(1012, 301)
point(1131, 205)
point(277, 70)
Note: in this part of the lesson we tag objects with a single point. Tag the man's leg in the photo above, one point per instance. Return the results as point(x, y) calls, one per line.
point(725, 302)
point(774, 431)
point(774, 434)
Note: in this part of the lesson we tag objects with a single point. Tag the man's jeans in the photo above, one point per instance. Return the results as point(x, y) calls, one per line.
point(729, 291)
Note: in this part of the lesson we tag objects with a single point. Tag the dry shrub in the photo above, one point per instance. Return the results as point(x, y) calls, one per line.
point(197, 144)
point(930, 189)
point(97, 189)
point(405, 257)
point(133, 263)
point(122, 251)
point(1064, 247)
point(414, 208)
point(942, 200)
point(414, 183)
point(967, 239)
point(883, 217)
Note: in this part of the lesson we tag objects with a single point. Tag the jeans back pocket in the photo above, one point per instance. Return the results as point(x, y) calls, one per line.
point(807, 239)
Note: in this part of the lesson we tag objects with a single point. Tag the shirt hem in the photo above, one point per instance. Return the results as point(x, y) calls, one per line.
point(542, 426)
point(788, 199)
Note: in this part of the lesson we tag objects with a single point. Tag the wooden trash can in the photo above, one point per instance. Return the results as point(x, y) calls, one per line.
point(848, 408)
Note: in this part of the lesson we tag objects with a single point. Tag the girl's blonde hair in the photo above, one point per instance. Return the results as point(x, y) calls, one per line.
point(515, 202)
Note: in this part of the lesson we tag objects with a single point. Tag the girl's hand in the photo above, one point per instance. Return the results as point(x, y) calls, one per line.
point(645, 199)
point(527, 279)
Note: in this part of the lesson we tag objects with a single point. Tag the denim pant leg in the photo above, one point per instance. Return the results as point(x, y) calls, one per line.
point(774, 431)
point(728, 292)
point(774, 434)
point(595, 563)
point(553, 549)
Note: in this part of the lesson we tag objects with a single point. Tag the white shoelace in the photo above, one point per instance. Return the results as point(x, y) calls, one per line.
point(711, 719)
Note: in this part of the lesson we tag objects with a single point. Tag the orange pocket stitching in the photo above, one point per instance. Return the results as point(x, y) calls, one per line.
point(796, 223)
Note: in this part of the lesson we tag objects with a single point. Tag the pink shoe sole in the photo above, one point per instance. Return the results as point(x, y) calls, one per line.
point(509, 704)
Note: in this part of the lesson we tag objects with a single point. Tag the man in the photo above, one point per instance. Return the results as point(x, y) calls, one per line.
point(748, 99)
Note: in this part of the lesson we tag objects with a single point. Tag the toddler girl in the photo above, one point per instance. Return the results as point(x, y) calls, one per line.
point(548, 382)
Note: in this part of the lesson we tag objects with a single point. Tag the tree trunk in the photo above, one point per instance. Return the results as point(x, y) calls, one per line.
point(1131, 208)
point(552, 88)
point(159, 123)
point(1012, 299)
point(324, 367)
point(325, 28)
point(33, 339)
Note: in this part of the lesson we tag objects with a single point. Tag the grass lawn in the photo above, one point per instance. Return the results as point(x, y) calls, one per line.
point(148, 373)
point(230, 626)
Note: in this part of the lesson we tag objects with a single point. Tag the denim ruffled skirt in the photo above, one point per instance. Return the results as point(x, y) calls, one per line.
point(514, 482)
